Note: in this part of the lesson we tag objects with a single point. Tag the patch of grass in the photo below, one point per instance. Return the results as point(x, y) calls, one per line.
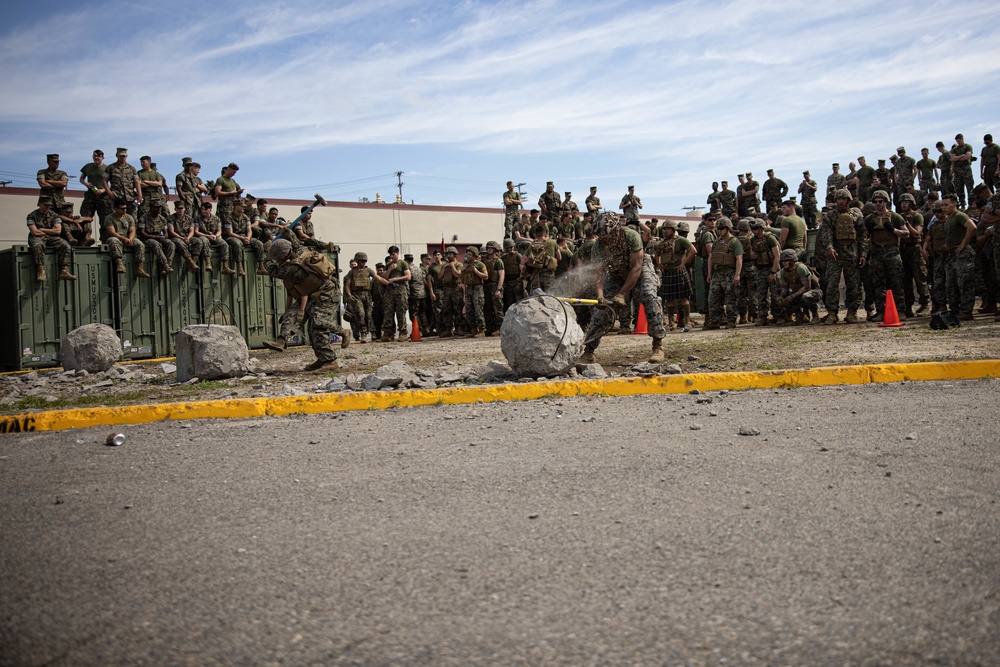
point(891, 360)
point(764, 366)
point(84, 401)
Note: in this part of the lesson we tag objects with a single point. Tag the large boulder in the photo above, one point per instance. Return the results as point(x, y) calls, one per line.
point(211, 352)
point(93, 348)
point(540, 337)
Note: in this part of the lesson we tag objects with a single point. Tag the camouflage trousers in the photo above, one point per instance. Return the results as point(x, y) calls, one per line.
point(118, 248)
point(475, 303)
point(914, 275)
point(885, 268)
point(236, 248)
point(722, 292)
point(947, 184)
point(868, 286)
point(809, 214)
point(762, 289)
point(960, 281)
point(511, 293)
point(291, 321)
point(196, 247)
point(163, 250)
point(509, 220)
point(927, 184)
point(101, 205)
point(360, 308)
point(803, 302)
point(963, 182)
point(452, 301)
point(746, 296)
point(321, 318)
point(602, 319)
point(494, 307)
point(218, 244)
point(537, 279)
point(76, 232)
point(845, 265)
point(939, 286)
point(38, 244)
point(418, 309)
point(986, 268)
point(395, 299)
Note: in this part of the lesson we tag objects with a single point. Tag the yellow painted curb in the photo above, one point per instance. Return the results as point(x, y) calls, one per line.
point(56, 420)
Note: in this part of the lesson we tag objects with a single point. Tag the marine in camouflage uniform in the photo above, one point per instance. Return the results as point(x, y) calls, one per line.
point(727, 200)
point(844, 241)
point(775, 190)
point(152, 229)
point(960, 259)
point(451, 296)
point(434, 271)
point(618, 255)
point(992, 215)
point(75, 229)
point(418, 294)
point(746, 298)
point(807, 195)
point(151, 184)
point(713, 199)
point(836, 180)
point(322, 305)
point(238, 234)
point(593, 203)
point(764, 253)
point(798, 291)
point(210, 229)
point(180, 231)
point(97, 199)
point(674, 256)
point(925, 171)
point(52, 181)
point(961, 171)
point(474, 274)
point(935, 251)
point(725, 264)
point(944, 166)
point(358, 288)
point(512, 292)
point(44, 230)
point(123, 180)
point(189, 186)
point(118, 233)
point(227, 191)
point(906, 171)
point(910, 250)
point(395, 296)
point(511, 208)
point(885, 265)
point(550, 202)
point(630, 206)
point(496, 278)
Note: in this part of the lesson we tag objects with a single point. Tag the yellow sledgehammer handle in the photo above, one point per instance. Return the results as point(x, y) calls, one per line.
point(579, 302)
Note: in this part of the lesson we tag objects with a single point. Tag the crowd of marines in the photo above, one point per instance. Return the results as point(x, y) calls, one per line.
point(922, 230)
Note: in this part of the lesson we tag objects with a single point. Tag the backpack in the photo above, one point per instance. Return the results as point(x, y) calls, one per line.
point(318, 268)
point(538, 258)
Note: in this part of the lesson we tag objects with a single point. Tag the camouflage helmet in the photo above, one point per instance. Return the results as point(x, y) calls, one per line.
point(360, 257)
point(472, 250)
point(908, 197)
point(607, 224)
point(493, 244)
point(880, 194)
point(755, 223)
point(843, 193)
point(280, 249)
point(451, 249)
point(743, 225)
point(508, 243)
point(670, 224)
point(723, 223)
point(683, 226)
point(789, 255)
point(482, 249)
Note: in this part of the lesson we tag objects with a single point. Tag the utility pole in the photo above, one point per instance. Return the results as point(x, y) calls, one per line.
point(520, 194)
point(399, 184)
point(5, 183)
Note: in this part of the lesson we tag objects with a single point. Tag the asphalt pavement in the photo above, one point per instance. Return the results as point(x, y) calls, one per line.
point(848, 525)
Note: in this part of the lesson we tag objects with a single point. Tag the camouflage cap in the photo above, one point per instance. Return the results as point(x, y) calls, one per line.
point(900, 150)
point(881, 160)
point(568, 193)
point(67, 206)
point(789, 255)
point(805, 173)
point(280, 249)
point(749, 175)
point(770, 171)
point(451, 249)
point(843, 193)
point(360, 257)
point(121, 151)
point(837, 165)
point(186, 161)
point(52, 157)
point(907, 197)
point(725, 182)
point(45, 199)
point(593, 188)
point(724, 223)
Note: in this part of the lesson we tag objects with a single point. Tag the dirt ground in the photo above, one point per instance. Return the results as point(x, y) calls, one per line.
point(745, 348)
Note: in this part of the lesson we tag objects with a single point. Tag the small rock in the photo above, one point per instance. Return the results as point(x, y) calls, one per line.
point(532, 516)
point(102, 383)
point(587, 419)
point(168, 368)
point(695, 427)
point(888, 474)
point(694, 391)
point(448, 377)
point(289, 390)
point(592, 371)
point(911, 436)
point(713, 414)
point(691, 357)
point(748, 430)
point(645, 368)
point(674, 369)
point(707, 399)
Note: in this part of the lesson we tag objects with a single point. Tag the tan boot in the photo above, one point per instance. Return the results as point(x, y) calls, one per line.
point(64, 274)
point(852, 317)
point(240, 271)
point(119, 266)
point(261, 271)
point(226, 271)
point(480, 333)
point(192, 265)
point(345, 341)
point(140, 271)
point(88, 241)
point(208, 264)
point(657, 356)
point(276, 345)
point(670, 318)
point(587, 357)
point(831, 319)
point(40, 274)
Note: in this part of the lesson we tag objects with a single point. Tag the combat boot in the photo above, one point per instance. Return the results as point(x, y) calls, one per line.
point(402, 337)
point(743, 317)
point(657, 356)
point(208, 264)
point(987, 308)
point(320, 364)
point(276, 345)
point(386, 338)
point(587, 357)
point(119, 266)
point(831, 318)
point(88, 241)
point(778, 320)
point(261, 270)
point(191, 264)
point(480, 333)
point(140, 270)
point(445, 334)
point(670, 318)
point(870, 315)
point(226, 271)
point(166, 270)
point(922, 309)
point(709, 327)
point(761, 322)
point(240, 271)
point(64, 273)
point(852, 317)
point(40, 274)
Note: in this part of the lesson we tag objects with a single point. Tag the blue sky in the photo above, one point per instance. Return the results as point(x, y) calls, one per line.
point(462, 96)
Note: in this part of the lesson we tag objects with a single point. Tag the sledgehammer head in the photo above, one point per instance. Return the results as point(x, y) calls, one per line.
point(320, 201)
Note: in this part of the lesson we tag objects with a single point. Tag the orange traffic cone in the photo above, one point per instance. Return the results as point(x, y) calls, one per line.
point(415, 332)
point(890, 318)
point(640, 322)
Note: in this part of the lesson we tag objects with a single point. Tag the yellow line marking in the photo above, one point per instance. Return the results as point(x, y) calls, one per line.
point(241, 408)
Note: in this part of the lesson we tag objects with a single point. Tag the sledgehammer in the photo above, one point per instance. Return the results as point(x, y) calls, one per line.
point(319, 202)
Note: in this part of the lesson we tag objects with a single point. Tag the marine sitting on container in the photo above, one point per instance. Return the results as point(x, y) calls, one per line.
point(44, 229)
